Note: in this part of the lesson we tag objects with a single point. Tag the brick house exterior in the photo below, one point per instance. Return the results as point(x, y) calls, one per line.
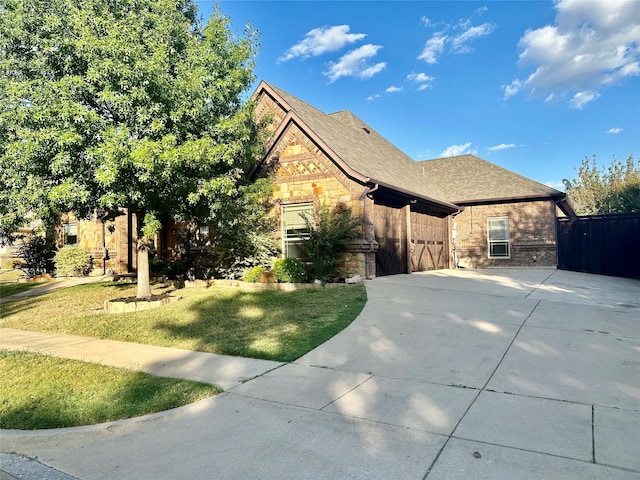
point(415, 215)
point(493, 195)
point(441, 213)
point(335, 159)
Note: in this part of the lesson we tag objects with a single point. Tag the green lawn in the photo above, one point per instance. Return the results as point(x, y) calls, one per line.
point(274, 325)
point(9, 283)
point(39, 391)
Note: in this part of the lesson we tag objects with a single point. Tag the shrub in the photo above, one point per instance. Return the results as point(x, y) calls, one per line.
point(290, 270)
point(253, 274)
point(72, 260)
point(330, 233)
point(37, 254)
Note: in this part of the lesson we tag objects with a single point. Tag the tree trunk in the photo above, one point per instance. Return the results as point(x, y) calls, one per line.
point(142, 252)
point(144, 284)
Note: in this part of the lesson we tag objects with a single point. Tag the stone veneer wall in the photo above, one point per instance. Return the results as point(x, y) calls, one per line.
point(531, 228)
point(304, 174)
point(90, 239)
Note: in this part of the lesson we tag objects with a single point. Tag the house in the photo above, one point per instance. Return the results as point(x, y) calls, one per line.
point(416, 216)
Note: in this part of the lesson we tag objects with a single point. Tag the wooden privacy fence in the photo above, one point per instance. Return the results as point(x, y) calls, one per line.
point(601, 244)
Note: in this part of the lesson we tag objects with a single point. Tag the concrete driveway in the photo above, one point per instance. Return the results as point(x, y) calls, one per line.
point(454, 374)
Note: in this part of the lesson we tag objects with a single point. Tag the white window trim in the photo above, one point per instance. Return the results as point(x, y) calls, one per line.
point(287, 239)
point(506, 240)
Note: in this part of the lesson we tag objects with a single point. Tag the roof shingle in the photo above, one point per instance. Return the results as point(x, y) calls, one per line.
point(469, 179)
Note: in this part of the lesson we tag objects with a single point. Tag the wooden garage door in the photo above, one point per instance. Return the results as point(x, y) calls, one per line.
point(429, 235)
point(390, 231)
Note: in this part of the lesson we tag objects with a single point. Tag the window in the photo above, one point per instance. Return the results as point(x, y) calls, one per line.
point(294, 228)
point(70, 233)
point(498, 233)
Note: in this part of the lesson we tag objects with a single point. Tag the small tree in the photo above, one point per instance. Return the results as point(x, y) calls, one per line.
point(38, 254)
point(123, 104)
point(614, 189)
point(330, 231)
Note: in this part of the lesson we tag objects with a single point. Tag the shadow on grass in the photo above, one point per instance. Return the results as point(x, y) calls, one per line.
point(53, 393)
point(280, 326)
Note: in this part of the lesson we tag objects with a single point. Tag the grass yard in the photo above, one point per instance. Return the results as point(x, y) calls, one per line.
point(273, 325)
point(9, 283)
point(40, 391)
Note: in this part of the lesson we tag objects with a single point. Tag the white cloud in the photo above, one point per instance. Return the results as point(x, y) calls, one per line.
point(426, 21)
point(355, 64)
point(422, 79)
point(511, 89)
point(432, 48)
point(371, 98)
point(321, 40)
point(459, 42)
point(393, 89)
point(580, 99)
point(614, 130)
point(502, 146)
point(555, 184)
point(591, 44)
point(455, 150)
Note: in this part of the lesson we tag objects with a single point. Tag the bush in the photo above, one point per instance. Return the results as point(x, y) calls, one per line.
point(253, 274)
point(330, 233)
point(72, 260)
point(290, 270)
point(37, 255)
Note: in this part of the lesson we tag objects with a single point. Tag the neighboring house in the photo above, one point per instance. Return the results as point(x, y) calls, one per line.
point(109, 241)
point(408, 209)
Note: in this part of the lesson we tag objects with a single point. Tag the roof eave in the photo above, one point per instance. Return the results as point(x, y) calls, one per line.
point(443, 205)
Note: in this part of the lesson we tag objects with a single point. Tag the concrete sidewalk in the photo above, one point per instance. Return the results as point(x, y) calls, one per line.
point(224, 371)
point(505, 374)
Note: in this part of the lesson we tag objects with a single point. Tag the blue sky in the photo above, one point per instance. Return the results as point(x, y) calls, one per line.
point(531, 86)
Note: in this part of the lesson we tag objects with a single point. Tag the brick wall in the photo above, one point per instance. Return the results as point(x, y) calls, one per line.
point(304, 174)
point(531, 228)
point(90, 239)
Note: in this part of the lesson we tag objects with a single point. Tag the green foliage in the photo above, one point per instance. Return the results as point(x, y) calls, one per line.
point(614, 189)
point(123, 103)
point(51, 392)
point(240, 238)
point(225, 320)
point(37, 254)
point(253, 274)
point(72, 260)
point(14, 263)
point(331, 230)
point(289, 270)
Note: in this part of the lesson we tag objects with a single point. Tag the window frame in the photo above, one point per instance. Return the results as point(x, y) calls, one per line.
point(293, 233)
point(66, 230)
point(504, 240)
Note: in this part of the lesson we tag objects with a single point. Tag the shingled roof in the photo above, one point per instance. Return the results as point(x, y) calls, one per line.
point(469, 179)
point(357, 147)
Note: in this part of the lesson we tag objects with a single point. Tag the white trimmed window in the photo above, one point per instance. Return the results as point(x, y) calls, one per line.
point(295, 228)
point(70, 233)
point(498, 236)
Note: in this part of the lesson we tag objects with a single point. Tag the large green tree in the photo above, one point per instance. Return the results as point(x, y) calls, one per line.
point(116, 104)
point(611, 189)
